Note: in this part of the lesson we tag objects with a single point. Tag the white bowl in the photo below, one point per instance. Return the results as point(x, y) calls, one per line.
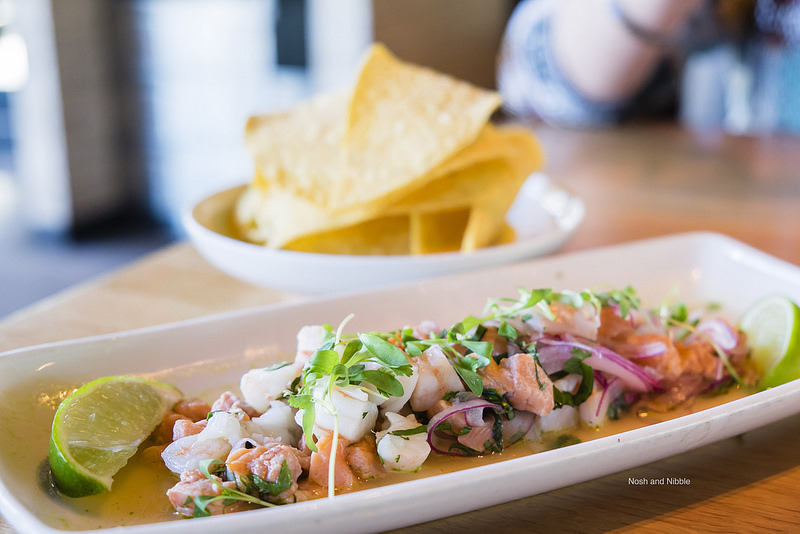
point(543, 217)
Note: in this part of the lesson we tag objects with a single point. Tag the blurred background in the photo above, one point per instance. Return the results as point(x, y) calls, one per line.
point(115, 115)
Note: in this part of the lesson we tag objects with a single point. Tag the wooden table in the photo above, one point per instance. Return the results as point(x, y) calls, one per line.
point(637, 181)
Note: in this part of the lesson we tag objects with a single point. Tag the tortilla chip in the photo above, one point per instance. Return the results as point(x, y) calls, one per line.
point(466, 172)
point(382, 236)
point(275, 216)
point(440, 231)
point(300, 150)
point(403, 121)
point(483, 229)
point(344, 149)
point(487, 217)
point(407, 159)
point(245, 215)
point(284, 216)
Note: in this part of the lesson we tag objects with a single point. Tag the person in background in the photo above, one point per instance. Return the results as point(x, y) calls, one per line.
point(597, 62)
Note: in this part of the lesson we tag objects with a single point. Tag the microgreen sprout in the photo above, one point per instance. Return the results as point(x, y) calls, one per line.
point(342, 361)
point(476, 354)
point(625, 298)
point(539, 300)
point(505, 307)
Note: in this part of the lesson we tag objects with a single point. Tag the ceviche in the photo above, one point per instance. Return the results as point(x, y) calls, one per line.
point(354, 407)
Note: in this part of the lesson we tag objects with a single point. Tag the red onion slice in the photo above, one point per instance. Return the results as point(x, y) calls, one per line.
point(610, 392)
point(601, 379)
point(554, 353)
point(474, 416)
point(440, 441)
point(651, 350)
point(516, 428)
point(719, 372)
point(718, 332)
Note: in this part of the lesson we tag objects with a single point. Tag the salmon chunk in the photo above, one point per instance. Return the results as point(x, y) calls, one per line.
point(194, 484)
point(266, 462)
point(532, 389)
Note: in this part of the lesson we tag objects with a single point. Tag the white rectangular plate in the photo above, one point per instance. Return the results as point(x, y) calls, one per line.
point(206, 354)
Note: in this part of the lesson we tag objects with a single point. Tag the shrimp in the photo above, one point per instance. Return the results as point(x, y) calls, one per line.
point(262, 386)
point(276, 422)
point(215, 441)
point(402, 453)
point(394, 404)
point(185, 427)
point(437, 377)
point(355, 412)
point(230, 402)
point(186, 453)
point(309, 339)
point(193, 483)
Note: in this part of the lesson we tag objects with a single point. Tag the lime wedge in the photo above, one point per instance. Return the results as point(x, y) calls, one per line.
point(772, 325)
point(100, 426)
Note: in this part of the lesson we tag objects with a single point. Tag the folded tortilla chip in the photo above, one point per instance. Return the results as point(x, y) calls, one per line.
point(300, 150)
point(379, 236)
point(404, 120)
point(406, 161)
point(440, 231)
point(283, 216)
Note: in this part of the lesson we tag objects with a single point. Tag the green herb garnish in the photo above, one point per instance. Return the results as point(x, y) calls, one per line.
point(327, 370)
point(230, 496)
point(409, 431)
point(577, 366)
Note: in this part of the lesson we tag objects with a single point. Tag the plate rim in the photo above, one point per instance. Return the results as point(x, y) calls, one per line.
point(691, 236)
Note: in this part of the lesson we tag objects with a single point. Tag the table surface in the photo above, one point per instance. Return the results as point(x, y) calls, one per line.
point(637, 181)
